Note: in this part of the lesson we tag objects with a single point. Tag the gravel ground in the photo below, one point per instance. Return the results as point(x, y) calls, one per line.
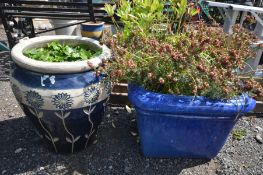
point(116, 150)
point(2, 33)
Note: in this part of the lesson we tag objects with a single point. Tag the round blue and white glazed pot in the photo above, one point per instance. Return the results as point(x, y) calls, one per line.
point(65, 101)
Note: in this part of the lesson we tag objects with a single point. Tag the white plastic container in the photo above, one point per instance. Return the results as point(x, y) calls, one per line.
point(64, 31)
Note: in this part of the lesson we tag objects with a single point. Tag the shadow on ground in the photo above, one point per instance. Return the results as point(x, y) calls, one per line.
point(116, 152)
point(5, 64)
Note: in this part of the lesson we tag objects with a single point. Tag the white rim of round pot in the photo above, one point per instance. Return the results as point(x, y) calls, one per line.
point(58, 67)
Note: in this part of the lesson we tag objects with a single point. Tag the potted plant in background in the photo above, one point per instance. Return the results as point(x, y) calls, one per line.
point(92, 29)
point(54, 82)
point(182, 80)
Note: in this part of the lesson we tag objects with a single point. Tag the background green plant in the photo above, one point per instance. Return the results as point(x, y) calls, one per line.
point(138, 15)
point(145, 16)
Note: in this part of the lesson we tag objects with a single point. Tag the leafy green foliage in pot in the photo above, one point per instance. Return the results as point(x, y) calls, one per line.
point(201, 60)
point(137, 15)
point(144, 16)
point(57, 52)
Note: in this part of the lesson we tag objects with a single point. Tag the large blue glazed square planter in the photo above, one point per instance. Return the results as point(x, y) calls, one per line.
point(180, 126)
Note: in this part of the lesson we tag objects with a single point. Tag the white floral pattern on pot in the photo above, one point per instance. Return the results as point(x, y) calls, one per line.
point(61, 99)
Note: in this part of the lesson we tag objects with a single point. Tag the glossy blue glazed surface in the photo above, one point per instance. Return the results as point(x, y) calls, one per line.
point(42, 81)
point(65, 108)
point(178, 126)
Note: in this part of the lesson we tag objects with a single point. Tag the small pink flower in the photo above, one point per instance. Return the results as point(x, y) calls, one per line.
point(131, 64)
point(161, 80)
point(97, 73)
point(150, 76)
point(169, 76)
point(90, 64)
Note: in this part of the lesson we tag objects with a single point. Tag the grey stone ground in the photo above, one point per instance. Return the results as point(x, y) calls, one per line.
point(116, 150)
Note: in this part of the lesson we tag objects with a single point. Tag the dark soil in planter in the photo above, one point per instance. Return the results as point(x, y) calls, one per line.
point(116, 150)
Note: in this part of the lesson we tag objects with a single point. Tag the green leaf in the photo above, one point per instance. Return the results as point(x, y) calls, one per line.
point(75, 55)
point(239, 134)
point(110, 9)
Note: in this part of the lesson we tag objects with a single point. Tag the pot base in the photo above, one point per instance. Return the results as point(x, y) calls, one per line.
point(67, 131)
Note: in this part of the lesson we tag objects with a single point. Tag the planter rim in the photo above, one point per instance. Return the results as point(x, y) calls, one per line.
point(181, 104)
point(59, 21)
point(93, 24)
point(57, 67)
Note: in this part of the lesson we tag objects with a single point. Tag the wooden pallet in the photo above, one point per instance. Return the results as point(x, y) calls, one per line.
point(119, 95)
